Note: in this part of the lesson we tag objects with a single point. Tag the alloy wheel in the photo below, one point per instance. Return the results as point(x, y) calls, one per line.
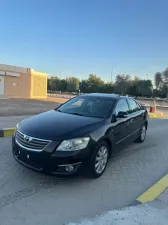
point(143, 132)
point(101, 159)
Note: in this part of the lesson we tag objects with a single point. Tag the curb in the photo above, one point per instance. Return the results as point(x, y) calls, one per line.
point(153, 192)
point(7, 132)
point(156, 115)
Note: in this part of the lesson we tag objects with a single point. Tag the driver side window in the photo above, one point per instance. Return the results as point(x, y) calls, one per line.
point(122, 106)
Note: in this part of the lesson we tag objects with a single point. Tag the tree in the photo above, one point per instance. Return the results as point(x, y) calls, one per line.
point(95, 83)
point(145, 88)
point(122, 83)
point(84, 86)
point(140, 87)
point(158, 93)
point(161, 81)
point(136, 80)
point(92, 84)
point(63, 85)
point(94, 80)
point(72, 84)
point(132, 89)
point(108, 88)
point(53, 83)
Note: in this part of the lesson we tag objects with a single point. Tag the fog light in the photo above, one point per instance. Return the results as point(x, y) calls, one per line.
point(69, 168)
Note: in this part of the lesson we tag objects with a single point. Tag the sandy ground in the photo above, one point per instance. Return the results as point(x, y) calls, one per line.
point(19, 107)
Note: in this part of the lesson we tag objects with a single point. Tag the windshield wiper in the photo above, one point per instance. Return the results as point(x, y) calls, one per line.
point(58, 110)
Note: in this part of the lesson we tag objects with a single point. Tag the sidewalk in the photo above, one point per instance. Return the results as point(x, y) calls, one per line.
point(10, 122)
point(164, 197)
point(151, 208)
point(153, 213)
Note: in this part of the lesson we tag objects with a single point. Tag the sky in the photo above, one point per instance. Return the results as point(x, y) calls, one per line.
point(79, 37)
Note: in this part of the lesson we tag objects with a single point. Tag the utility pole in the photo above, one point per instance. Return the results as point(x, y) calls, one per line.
point(147, 76)
point(60, 79)
point(112, 73)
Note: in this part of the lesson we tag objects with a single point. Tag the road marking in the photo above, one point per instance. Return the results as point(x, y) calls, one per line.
point(156, 115)
point(154, 192)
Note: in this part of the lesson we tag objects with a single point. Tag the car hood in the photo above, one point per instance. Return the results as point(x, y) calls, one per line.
point(54, 125)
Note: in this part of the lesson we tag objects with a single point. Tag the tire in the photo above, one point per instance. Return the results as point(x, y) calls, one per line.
point(101, 151)
point(142, 135)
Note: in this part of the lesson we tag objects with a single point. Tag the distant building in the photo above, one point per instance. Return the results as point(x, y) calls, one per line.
point(20, 82)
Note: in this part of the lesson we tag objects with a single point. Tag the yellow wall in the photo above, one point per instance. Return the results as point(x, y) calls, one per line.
point(38, 85)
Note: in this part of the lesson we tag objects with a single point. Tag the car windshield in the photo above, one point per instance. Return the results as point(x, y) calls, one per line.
point(88, 106)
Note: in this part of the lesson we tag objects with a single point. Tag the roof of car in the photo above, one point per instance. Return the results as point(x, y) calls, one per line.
point(106, 95)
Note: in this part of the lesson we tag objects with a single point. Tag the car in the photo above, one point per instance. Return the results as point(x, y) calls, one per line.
point(79, 135)
point(143, 105)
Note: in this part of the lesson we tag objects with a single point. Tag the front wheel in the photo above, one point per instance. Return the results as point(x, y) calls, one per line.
point(142, 135)
point(99, 160)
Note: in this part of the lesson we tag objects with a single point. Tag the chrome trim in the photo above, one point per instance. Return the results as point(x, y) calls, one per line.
point(127, 136)
point(72, 164)
point(29, 149)
point(32, 149)
point(34, 137)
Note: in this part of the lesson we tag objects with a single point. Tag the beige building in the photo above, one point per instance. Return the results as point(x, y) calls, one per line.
point(20, 82)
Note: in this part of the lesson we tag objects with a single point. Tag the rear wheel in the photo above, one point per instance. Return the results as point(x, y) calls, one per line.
point(142, 135)
point(99, 160)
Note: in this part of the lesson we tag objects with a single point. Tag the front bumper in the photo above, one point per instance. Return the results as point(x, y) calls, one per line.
point(51, 161)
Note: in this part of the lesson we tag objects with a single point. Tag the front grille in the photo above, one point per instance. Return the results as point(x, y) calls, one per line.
point(30, 143)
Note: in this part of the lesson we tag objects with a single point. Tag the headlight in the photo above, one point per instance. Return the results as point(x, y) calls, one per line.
point(17, 125)
point(74, 144)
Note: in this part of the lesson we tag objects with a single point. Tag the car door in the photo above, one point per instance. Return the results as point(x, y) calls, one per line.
point(136, 114)
point(122, 125)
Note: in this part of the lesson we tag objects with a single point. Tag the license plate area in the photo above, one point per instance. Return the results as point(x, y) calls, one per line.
point(30, 157)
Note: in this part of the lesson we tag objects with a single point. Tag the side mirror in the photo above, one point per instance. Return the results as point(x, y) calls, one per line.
point(114, 118)
point(143, 106)
point(122, 114)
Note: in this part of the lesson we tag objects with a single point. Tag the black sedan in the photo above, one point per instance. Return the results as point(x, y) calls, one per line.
point(80, 134)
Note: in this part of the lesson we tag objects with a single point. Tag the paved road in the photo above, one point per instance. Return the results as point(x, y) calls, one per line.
point(27, 197)
point(11, 121)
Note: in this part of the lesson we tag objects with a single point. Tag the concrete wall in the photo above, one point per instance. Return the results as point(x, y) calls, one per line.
point(17, 87)
point(20, 82)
